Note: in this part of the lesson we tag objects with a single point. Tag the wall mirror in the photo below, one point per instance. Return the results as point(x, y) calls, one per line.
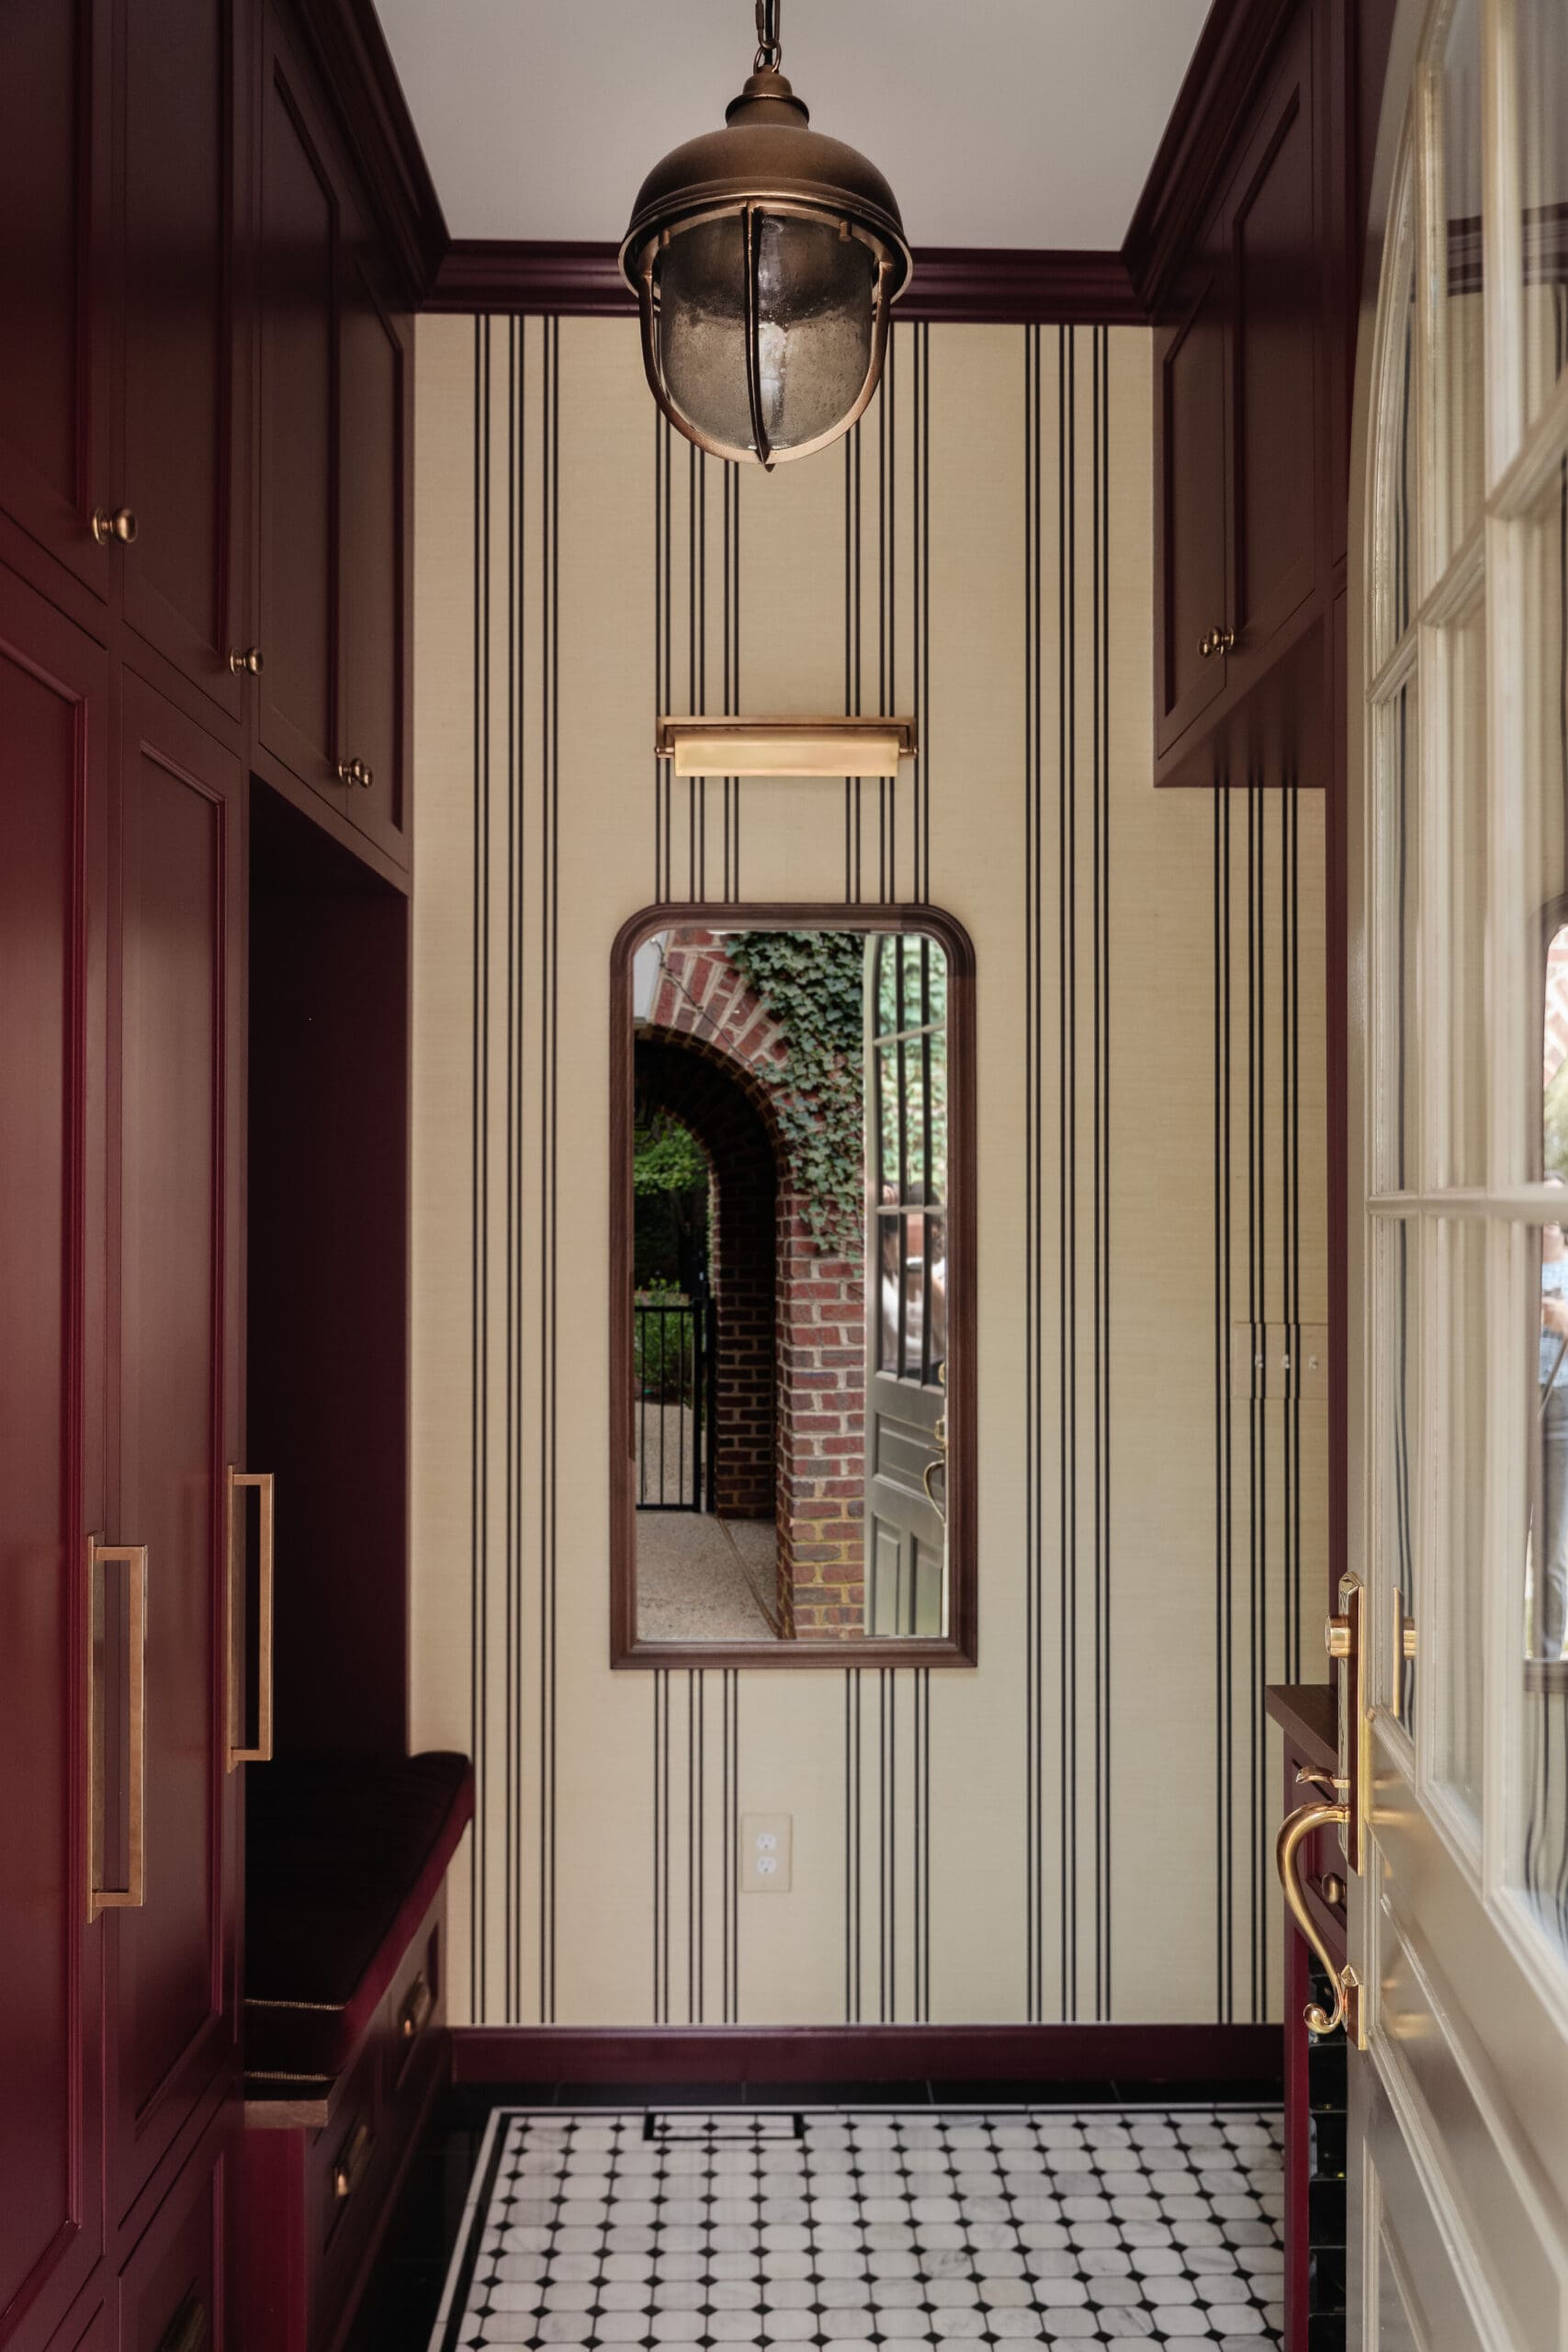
point(791, 1295)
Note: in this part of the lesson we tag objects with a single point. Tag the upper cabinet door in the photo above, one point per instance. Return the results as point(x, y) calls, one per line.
point(53, 777)
point(176, 1390)
point(1191, 502)
point(183, 172)
point(55, 441)
point(1276, 267)
point(373, 586)
point(299, 280)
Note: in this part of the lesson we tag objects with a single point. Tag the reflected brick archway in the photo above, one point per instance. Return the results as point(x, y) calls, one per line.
point(680, 1076)
point(713, 1054)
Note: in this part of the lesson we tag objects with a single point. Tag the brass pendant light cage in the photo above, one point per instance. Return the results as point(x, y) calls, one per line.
point(765, 258)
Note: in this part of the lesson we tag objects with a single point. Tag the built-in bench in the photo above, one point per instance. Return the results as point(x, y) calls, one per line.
point(345, 1870)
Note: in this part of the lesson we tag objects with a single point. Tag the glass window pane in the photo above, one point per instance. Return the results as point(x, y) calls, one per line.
point(1543, 1028)
point(1541, 34)
point(1459, 1558)
point(1543, 1861)
point(1465, 965)
point(1398, 1425)
point(1397, 1148)
point(937, 1249)
point(1460, 346)
point(936, 1047)
point(1403, 512)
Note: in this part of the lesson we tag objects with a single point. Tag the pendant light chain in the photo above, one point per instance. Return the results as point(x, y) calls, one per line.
point(770, 51)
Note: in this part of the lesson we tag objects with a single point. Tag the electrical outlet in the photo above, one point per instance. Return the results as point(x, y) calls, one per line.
point(767, 1841)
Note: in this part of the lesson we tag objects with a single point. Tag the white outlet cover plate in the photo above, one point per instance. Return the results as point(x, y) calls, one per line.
point(766, 1838)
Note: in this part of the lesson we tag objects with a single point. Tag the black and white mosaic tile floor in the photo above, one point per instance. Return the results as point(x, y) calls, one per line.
point(751, 2228)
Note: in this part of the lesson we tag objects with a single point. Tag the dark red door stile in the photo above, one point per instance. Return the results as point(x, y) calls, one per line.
point(54, 699)
point(175, 1402)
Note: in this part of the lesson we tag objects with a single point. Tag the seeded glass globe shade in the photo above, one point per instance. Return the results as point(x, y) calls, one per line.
point(765, 258)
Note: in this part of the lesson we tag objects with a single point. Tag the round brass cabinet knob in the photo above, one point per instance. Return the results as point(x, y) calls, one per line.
point(1216, 640)
point(119, 524)
point(356, 771)
point(246, 659)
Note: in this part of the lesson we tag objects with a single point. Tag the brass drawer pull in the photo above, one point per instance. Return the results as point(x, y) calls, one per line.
point(415, 2011)
point(356, 771)
point(187, 2330)
point(117, 523)
point(262, 1480)
point(133, 1894)
point(353, 2158)
point(245, 659)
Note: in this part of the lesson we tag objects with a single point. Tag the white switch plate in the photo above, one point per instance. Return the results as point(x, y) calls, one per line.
point(767, 1841)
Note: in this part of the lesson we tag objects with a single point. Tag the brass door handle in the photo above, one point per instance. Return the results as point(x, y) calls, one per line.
point(939, 1439)
point(113, 523)
point(245, 659)
point(133, 1894)
point(1216, 640)
point(188, 2329)
point(1294, 1830)
point(356, 771)
point(352, 2157)
point(234, 1695)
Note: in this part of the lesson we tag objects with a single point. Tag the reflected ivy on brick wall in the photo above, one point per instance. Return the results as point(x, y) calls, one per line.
point(812, 982)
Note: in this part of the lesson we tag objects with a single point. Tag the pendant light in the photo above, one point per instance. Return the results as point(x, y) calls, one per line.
point(765, 258)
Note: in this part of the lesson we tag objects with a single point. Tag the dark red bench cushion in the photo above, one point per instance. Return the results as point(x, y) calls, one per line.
point(344, 1857)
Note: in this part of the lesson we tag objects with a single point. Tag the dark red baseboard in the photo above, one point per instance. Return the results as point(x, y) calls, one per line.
point(878, 2053)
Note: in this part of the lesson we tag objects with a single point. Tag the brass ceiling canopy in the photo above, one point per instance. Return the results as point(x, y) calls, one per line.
point(764, 257)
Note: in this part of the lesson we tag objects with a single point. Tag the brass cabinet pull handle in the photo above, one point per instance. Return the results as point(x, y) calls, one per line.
point(415, 2010)
point(349, 2169)
point(356, 771)
point(245, 659)
point(1216, 640)
point(187, 2330)
point(1294, 1830)
point(133, 1894)
point(262, 1480)
point(113, 523)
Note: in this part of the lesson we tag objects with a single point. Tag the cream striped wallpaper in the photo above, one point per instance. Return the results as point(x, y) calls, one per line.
point(1079, 1827)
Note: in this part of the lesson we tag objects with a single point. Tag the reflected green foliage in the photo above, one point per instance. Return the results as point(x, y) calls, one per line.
point(812, 982)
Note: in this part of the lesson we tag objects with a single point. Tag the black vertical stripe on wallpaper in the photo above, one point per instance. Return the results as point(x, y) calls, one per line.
point(512, 1112)
point(1221, 1391)
point(476, 1393)
point(1033, 1993)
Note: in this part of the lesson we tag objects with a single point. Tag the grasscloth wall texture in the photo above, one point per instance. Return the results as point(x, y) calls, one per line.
point(1078, 1828)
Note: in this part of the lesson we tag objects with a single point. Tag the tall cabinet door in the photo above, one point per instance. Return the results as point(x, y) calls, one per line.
point(175, 1387)
point(54, 386)
point(299, 291)
point(183, 173)
point(373, 590)
point(1192, 463)
point(53, 770)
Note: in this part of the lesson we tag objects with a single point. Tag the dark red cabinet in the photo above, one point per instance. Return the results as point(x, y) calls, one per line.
point(1241, 428)
point(183, 190)
point(56, 451)
point(1191, 460)
point(173, 2289)
point(178, 993)
point(298, 275)
point(54, 768)
point(335, 454)
point(373, 586)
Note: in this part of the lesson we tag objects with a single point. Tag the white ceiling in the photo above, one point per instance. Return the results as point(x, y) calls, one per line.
point(999, 122)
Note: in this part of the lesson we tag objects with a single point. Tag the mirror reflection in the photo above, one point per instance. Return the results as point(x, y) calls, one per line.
point(790, 1284)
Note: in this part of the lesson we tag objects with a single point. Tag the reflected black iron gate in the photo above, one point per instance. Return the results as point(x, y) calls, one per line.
point(676, 1376)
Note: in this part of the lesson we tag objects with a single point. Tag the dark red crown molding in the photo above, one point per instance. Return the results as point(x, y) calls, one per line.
point(1233, 49)
point(350, 49)
point(950, 283)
